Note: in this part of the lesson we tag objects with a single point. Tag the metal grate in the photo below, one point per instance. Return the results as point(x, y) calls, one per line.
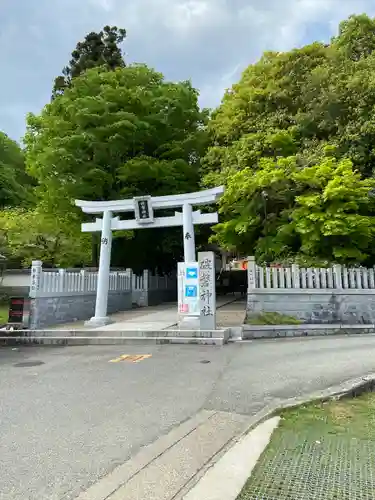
point(310, 467)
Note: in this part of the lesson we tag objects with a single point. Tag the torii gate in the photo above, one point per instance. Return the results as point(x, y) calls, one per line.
point(144, 207)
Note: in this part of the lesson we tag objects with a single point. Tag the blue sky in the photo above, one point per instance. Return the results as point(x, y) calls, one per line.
point(207, 41)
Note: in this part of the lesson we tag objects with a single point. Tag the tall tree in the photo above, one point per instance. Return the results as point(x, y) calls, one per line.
point(116, 134)
point(97, 49)
point(300, 103)
point(14, 182)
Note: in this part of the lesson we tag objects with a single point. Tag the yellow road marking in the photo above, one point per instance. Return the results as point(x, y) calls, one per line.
point(133, 358)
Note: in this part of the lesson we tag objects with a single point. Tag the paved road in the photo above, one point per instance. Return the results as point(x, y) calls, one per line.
point(67, 422)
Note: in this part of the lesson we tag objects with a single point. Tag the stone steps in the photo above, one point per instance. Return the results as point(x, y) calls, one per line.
point(124, 337)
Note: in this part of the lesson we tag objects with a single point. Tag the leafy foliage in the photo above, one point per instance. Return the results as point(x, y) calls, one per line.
point(14, 182)
point(356, 37)
point(116, 134)
point(97, 49)
point(319, 212)
point(31, 234)
point(294, 143)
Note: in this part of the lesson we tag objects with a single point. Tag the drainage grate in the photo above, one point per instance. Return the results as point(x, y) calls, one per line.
point(25, 364)
point(308, 467)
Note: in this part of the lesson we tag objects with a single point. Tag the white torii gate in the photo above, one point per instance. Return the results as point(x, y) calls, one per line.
point(144, 207)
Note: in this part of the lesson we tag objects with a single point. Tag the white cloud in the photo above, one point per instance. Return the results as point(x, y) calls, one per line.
point(208, 38)
point(106, 5)
point(189, 16)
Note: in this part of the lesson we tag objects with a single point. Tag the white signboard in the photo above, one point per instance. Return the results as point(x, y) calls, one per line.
point(188, 289)
point(207, 290)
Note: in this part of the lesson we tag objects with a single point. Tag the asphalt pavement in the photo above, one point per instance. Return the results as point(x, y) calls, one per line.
point(71, 419)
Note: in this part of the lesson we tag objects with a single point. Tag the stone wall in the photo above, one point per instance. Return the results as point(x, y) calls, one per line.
point(316, 306)
point(156, 297)
point(140, 298)
point(50, 311)
point(281, 331)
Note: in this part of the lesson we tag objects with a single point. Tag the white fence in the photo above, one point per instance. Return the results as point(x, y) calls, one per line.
point(81, 282)
point(148, 289)
point(139, 282)
point(165, 282)
point(76, 282)
point(336, 277)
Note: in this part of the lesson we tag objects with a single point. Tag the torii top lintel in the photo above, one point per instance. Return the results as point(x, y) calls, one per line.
point(205, 197)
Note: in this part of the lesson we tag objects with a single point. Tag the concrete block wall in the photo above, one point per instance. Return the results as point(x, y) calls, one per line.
point(155, 297)
point(140, 298)
point(150, 290)
point(315, 330)
point(311, 306)
point(49, 311)
point(144, 298)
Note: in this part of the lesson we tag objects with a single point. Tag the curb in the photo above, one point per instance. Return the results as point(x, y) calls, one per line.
point(236, 466)
point(350, 388)
point(260, 332)
point(118, 340)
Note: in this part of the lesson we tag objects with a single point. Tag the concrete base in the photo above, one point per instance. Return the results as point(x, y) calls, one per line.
point(98, 322)
point(103, 337)
point(240, 461)
point(236, 333)
point(277, 331)
point(189, 323)
point(81, 341)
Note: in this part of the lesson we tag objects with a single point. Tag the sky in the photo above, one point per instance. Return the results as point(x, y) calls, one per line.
point(208, 41)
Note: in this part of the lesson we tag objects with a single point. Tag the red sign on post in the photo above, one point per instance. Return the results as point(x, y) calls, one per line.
point(18, 310)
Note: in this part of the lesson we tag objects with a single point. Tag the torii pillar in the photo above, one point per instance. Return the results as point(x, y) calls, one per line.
point(143, 207)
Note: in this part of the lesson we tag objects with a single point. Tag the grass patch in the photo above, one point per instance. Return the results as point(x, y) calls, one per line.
point(272, 318)
point(319, 449)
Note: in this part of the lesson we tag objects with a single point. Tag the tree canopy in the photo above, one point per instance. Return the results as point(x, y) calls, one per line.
point(323, 212)
point(292, 141)
point(116, 134)
point(97, 49)
point(300, 106)
point(32, 234)
point(14, 182)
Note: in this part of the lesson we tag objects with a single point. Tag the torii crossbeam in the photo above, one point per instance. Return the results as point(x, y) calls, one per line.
point(143, 207)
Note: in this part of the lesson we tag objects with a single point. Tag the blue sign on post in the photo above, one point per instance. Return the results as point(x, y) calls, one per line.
point(191, 291)
point(192, 273)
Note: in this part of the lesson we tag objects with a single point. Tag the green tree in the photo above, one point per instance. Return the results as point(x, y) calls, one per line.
point(356, 37)
point(322, 213)
point(97, 49)
point(14, 182)
point(116, 134)
point(300, 104)
point(334, 216)
point(31, 234)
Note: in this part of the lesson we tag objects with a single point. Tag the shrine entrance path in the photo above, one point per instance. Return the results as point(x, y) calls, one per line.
point(230, 312)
